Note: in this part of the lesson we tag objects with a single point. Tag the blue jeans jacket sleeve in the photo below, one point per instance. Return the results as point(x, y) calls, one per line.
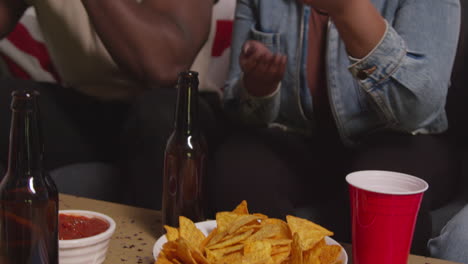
point(401, 85)
point(407, 74)
point(238, 103)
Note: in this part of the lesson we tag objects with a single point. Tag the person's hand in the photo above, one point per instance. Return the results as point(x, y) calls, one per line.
point(331, 7)
point(263, 70)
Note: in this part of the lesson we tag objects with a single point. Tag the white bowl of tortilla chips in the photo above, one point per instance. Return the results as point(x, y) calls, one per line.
point(240, 237)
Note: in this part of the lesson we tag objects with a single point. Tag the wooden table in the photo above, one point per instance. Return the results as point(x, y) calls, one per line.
point(138, 229)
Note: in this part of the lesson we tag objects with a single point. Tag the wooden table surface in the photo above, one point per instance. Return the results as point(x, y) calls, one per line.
point(138, 228)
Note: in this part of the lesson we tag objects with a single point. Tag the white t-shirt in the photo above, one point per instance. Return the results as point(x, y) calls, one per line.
point(213, 60)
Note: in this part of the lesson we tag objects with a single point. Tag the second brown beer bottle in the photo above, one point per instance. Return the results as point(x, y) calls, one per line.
point(185, 157)
point(28, 196)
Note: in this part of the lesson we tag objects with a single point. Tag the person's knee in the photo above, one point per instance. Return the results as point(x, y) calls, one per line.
point(458, 226)
point(452, 242)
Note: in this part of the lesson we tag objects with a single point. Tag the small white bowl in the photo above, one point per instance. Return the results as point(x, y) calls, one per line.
point(88, 250)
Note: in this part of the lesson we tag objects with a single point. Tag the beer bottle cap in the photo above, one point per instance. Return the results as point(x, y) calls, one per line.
point(24, 100)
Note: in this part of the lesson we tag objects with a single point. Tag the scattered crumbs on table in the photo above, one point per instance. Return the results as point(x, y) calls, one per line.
point(140, 249)
point(143, 244)
point(64, 205)
point(123, 260)
point(140, 238)
point(131, 246)
point(132, 221)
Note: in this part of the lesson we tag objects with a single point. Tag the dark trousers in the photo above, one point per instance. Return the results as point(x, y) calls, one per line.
point(279, 172)
point(129, 135)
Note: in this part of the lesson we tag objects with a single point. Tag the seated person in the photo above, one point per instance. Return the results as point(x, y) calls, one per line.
point(323, 88)
point(452, 242)
point(118, 62)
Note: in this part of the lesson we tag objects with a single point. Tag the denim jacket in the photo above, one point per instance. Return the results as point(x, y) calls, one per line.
point(400, 85)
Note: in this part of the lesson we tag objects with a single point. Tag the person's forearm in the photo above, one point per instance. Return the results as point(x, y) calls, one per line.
point(151, 40)
point(360, 26)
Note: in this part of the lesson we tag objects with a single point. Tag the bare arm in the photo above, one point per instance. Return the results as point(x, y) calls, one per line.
point(361, 27)
point(359, 23)
point(154, 40)
point(10, 12)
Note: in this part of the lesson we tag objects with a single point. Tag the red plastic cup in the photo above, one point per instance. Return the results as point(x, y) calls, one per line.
point(384, 208)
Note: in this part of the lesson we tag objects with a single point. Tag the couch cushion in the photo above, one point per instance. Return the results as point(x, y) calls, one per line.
point(441, 216)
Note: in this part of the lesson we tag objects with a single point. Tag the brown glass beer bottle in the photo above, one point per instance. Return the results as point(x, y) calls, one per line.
point(185, 157)
point(28, 196)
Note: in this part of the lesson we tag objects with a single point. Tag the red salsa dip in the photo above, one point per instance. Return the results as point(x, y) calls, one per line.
point(77, 226)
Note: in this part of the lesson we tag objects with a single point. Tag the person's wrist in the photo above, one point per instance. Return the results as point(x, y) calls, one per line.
point(259, 90)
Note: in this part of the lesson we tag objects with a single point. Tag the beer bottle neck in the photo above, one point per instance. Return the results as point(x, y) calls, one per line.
point(186, 122)
point(26, 149)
